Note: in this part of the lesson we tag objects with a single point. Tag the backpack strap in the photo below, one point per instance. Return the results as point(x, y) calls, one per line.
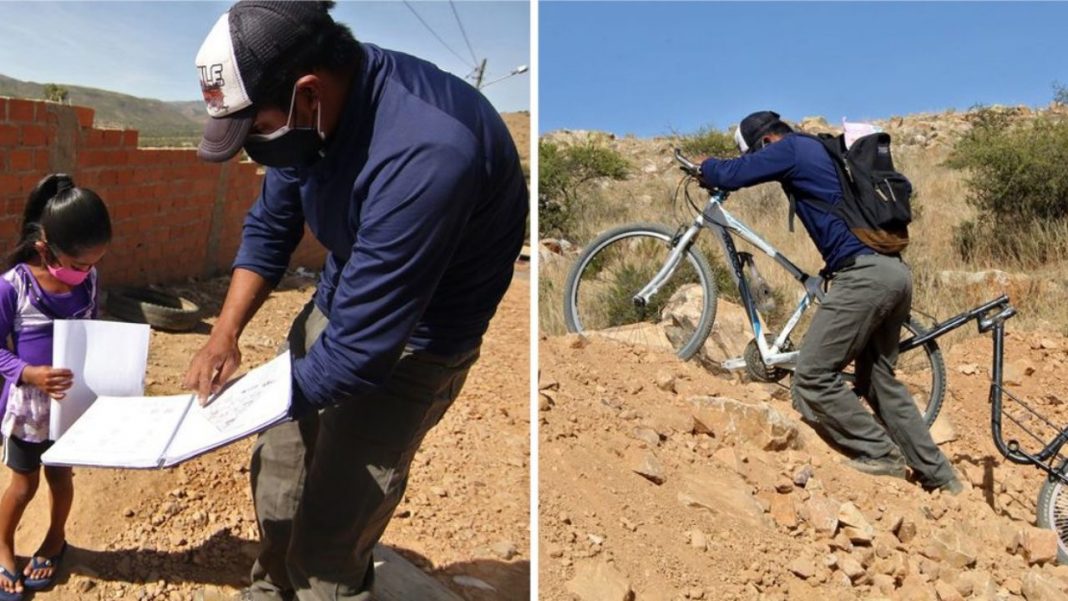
point(827, 207)
point(793, 209)
point(833, 145)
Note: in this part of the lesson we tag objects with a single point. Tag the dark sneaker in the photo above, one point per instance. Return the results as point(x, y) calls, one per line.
point(953, 487)
point(885, 466)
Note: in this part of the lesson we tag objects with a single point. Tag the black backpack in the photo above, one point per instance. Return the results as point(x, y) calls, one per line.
point(875, 196)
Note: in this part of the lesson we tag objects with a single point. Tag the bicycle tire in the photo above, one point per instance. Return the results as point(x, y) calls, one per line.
point(1052, 511)
point(933, 358)
point(938, 374)
point(572, 288)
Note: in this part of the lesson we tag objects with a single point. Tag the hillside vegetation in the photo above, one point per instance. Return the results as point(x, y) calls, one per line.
point(972, 172)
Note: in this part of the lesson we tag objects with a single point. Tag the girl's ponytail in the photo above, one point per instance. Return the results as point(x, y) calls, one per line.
point(43, 192)
point(66, 209)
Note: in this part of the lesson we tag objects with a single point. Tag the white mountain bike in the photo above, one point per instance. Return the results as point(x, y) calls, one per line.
point(650, 285)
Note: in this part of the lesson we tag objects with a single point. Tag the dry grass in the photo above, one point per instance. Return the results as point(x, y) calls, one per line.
point(939, 207)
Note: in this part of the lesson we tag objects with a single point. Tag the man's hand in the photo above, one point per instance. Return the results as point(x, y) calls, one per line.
point(212, 366)
point(219, 359)
point(54, 381)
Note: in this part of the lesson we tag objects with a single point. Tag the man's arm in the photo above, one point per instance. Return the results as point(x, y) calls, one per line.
point(767, 164)
point(410, 227)
point(272, 231)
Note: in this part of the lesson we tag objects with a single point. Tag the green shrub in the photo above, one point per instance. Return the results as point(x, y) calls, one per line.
point(708, 142)
point(56, 93)
point(1060, 93)
point(1017, 184)
point(562, 172)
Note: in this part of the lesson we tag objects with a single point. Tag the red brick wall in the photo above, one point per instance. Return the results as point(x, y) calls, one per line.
point(173, 216)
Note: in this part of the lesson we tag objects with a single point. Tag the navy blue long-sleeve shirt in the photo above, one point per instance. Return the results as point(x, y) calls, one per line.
point(421, 203)
point(803, 166)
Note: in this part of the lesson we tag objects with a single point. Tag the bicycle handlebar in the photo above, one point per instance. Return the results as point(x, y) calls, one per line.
point(694, 170)
point(686, 164)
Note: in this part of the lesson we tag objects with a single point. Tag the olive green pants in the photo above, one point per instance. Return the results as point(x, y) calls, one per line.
point(860, 320)
point(326, 486)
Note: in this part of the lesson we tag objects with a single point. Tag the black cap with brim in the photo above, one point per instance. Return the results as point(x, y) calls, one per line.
point(755, 126)
point(224, 136)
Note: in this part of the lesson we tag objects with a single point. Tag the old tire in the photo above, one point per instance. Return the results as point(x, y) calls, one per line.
point(158, 309)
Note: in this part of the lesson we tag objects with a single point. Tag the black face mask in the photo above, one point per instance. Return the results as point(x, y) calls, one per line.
point(288, 146)
point(299, 147)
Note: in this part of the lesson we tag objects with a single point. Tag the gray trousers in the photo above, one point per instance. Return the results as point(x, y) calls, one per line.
point(860, 320)
point(325, 487)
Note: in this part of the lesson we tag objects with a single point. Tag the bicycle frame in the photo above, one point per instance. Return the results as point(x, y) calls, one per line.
point(991, 317)
point(717, 219)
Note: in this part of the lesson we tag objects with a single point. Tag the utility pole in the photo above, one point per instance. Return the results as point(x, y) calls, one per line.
point(480, 72)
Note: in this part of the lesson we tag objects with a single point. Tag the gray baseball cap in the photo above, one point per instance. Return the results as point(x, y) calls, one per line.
point(246, 43)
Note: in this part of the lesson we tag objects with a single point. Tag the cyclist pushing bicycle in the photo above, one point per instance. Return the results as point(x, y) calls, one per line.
point(861, 316)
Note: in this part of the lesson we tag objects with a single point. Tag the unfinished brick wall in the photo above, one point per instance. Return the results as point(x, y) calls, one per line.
point(173, 216)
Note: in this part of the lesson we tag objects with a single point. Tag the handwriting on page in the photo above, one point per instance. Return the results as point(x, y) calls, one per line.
point(121, 431)
point(241, 404)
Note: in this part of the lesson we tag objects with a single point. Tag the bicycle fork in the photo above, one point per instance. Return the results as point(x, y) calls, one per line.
point(680, 245)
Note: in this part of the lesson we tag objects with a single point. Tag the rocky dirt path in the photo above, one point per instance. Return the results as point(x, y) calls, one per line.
point(190, 532)
point(661, 481)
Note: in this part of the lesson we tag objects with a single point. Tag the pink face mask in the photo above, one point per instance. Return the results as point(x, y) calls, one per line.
point(67, 275)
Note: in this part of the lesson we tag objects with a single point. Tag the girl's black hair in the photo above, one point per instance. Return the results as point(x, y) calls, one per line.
point(69, 218)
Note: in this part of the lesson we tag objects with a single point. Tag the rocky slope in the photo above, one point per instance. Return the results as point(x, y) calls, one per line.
point(662, 481)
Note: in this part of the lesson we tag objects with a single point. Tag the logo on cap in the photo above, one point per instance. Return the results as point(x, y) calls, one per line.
point(211, 83)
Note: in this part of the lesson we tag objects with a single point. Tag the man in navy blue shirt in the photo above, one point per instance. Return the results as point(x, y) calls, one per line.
point(410, 179)
point(859, 320)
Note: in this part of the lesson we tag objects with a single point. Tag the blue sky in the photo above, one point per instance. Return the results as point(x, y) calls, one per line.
point(147, 48)
point(651, 68)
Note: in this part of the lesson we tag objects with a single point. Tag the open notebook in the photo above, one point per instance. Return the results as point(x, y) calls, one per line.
point(108, 359)
point(153, 432)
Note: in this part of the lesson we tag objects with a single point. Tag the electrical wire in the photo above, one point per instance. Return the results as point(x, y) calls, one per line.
point(435, 34)
point(463, 32)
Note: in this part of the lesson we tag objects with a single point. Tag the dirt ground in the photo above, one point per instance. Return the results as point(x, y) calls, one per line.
point(648, 494)
point(190, 532)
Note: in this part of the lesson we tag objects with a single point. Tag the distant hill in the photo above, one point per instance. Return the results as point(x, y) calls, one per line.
point(177, 123)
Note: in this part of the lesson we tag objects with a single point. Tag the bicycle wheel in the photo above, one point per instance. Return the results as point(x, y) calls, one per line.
point(1053, 511)
point(924, 373)
point(920, 369)
point(598, 295)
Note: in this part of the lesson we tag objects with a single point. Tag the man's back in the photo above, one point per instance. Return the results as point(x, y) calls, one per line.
point(805, 169)
point(421, 202)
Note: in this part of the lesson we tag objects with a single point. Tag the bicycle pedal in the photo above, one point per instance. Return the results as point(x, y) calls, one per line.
point(734, 364)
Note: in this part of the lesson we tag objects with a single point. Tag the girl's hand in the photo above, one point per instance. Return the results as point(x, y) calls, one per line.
point(54, 381)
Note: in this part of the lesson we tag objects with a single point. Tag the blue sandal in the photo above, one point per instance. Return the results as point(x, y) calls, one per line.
point(39, 584)
point(13, 579)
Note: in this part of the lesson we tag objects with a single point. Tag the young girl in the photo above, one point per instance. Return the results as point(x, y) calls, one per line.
point(49, 275)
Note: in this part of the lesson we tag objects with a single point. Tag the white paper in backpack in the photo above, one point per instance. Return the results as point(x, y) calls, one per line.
point(107, 358)
point(855, 131)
